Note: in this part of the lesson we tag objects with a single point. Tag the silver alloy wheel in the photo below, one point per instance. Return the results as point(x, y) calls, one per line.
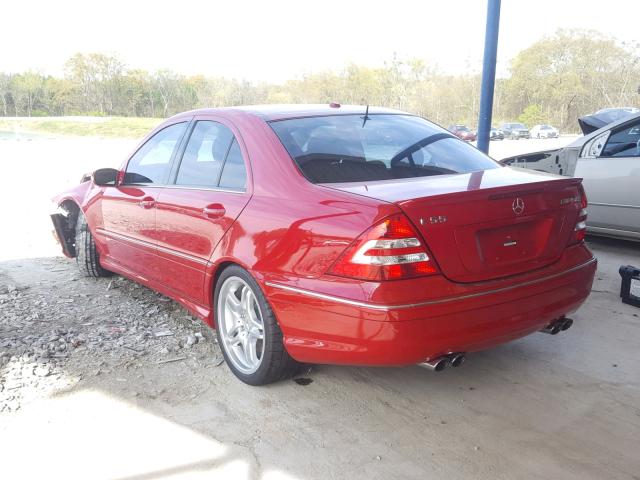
point(241, 325)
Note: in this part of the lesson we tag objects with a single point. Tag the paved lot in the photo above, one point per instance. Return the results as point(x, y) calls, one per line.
point(111, 404)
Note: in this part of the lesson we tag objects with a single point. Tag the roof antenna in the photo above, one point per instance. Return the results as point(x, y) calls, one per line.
point(366, 116)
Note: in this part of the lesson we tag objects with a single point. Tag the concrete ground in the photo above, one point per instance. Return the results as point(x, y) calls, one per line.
point(561, 407)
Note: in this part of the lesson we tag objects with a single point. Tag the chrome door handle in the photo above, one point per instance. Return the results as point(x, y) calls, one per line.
point(147, 203)
point(214, 211)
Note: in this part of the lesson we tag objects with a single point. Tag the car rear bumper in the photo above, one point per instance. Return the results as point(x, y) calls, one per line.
point(321, 328)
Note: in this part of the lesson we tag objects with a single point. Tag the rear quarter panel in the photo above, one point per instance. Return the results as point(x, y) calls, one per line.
point(290, 228)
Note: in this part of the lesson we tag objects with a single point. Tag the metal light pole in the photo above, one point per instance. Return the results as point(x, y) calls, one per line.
point(488, 74)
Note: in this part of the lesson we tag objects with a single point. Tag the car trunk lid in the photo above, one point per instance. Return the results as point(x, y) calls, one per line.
point(489, 224)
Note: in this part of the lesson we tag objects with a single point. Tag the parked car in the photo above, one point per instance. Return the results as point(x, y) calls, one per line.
point(463, 132)
point(544, 131)
point(335, 235)
point(602, 118)
point(608, 161)
point(496, 134)
point(515, 131)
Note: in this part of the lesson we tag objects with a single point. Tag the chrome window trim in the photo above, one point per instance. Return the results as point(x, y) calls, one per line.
point(118, 236)
point(206, 189)
point(146, 185)
point(374, 306)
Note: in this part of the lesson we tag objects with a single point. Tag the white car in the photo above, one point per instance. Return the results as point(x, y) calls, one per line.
point(608, 161)
point(544, 131)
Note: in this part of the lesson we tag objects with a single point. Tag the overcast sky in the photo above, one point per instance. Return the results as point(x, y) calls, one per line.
point(276, 40)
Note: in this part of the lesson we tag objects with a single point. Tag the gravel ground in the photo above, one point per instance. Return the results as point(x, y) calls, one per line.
point(105, 379)
point(54, 322)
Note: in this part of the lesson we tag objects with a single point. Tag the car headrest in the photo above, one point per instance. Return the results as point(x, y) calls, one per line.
point(341, 143)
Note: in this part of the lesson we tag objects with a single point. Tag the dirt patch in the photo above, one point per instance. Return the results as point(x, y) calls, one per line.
point(52, 320)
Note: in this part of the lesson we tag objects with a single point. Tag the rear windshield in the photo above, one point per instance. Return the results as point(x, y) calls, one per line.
point(346, 148)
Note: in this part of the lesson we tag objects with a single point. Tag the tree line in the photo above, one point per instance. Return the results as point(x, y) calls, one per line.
point(557, 79)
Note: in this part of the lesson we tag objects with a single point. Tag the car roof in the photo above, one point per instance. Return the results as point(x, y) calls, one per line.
point(580, 141)
point(284, 111)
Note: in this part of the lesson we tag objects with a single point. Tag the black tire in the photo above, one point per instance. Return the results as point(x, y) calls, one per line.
point(276, 364)
point(87, 256)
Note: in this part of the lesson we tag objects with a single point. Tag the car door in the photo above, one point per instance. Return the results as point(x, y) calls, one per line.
point(129, 209)
point(612, 180)
point(209, 190)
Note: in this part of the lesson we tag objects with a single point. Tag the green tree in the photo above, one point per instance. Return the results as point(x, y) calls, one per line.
point(572, 73)
point(99, 80)
point(27, 91)
point(5, 92)
point(531, 115)
point(59, 96)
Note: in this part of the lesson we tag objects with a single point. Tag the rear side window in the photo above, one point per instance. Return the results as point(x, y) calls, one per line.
point(150, 164)
point(346, 148)
point(234, 174)
point(623, 143)
point(204, 155)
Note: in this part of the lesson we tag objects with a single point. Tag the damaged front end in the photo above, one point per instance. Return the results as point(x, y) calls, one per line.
point(64, 233)
point(65, 215)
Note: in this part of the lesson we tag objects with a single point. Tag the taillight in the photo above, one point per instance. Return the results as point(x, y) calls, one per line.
point(580, 230)
point(390, 250)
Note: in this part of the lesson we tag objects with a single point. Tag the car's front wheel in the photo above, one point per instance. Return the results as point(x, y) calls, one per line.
point(247, 330)
point(87, 256)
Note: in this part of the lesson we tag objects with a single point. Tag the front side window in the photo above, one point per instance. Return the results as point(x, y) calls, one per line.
point(624, 142)
point(150, 164)
point(346, 148)
point(204, 155)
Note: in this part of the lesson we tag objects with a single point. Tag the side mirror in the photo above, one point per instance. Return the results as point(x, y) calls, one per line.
point(106, 177)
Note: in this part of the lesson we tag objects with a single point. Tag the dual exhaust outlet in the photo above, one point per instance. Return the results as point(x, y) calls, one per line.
point(558, 326)
point(456, 359)
point(440, 363)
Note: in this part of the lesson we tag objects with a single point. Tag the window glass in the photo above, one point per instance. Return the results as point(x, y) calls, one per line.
point(234, 174)
point(150, 164)
point(345, 148)
point(623, 143)
point(204, 155)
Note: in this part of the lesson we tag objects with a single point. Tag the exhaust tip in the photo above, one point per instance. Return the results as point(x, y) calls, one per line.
point(566, 324)
point(441, 364)
point(458, 359)
point(437, 364)
point(552, 329)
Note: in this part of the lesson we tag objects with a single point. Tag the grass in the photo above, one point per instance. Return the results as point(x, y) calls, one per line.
point(117, 127)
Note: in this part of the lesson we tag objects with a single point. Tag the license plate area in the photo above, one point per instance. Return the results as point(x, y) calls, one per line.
point(514, 243)
point(498, 248)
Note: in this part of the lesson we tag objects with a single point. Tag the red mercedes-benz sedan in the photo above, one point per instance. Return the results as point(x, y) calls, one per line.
point(334, 234)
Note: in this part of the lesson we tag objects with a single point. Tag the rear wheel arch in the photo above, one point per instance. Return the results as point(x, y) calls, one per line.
point(219, 269)
point(217, 272)
point(275, 362)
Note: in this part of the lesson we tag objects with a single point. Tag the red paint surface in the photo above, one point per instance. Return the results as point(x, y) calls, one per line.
point(285, 230)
